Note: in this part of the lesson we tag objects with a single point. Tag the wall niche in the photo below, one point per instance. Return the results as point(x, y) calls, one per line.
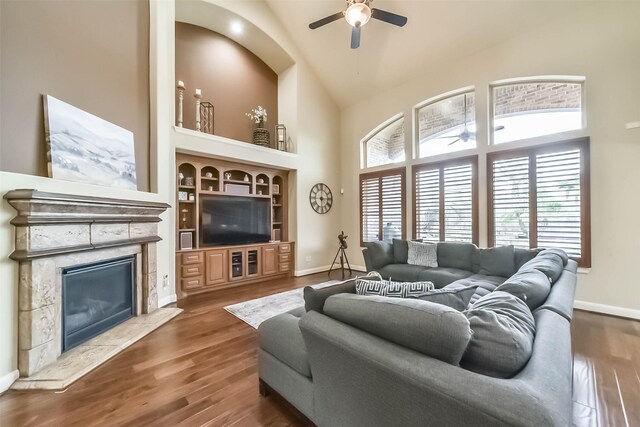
point(230, 77)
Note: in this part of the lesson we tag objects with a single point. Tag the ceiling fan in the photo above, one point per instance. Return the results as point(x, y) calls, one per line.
point(357, 14)
point(465, 135)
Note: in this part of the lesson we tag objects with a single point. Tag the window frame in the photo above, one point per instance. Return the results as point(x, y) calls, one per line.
point(434, 100)
point(583, 144)
point(441, 165)
point(581, 80)
point(403, 195)
point(364, 159)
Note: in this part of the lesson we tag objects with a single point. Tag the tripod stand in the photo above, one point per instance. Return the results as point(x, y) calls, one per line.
point(343, 255)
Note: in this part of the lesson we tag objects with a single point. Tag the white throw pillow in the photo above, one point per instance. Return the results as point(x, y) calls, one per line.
point(424, 254)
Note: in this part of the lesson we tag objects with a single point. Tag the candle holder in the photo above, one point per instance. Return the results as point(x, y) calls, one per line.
point(198, 95)
point(180, 102)
point(206, 117)
point(281, 137)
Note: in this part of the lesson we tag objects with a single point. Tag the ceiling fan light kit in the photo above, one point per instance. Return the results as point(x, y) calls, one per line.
point(357, 14)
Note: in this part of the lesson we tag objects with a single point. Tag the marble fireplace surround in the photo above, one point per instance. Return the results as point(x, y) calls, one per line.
point(55, 231)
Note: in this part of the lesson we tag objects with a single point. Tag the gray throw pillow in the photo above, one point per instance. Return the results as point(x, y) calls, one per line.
point(457, 298)
point(503, 333)
point(400, 251)
point(432, 329)
point(388, 288)
point(424, 254)
point(314, 299)
point(530, 285)
point(498, 261)
point(380, 254)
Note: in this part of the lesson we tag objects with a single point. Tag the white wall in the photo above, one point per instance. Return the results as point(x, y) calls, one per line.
point(601, 43)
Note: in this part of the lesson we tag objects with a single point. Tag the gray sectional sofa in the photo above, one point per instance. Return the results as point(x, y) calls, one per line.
point(352, 360)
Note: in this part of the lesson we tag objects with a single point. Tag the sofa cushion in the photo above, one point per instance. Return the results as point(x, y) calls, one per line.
point(503, 333)
point(280, 336)
point(549, 262)
point(314, 298)
point(442, 276)
point(457, 298)
point(432, 329)
point(455, 255)
point(380, 254)
point(485, 285)
point(531, 286)
point(401, 272)
point(424, 254)
point(387, 288)
point(522, 256)
point(400, 251)
point(498, 261)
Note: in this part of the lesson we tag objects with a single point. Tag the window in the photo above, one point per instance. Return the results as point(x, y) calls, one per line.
point(447, 125)
point(382, 202)
point(539, 197)
point(445, 201)
point(532, 109)
point(385, 146)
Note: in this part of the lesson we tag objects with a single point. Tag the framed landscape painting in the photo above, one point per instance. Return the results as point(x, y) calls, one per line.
point(86, 148)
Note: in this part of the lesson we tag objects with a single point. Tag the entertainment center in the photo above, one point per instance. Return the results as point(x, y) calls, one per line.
point(232, 224)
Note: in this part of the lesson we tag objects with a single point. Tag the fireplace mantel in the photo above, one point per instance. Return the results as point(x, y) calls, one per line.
point(50, 224)
point(57, 231)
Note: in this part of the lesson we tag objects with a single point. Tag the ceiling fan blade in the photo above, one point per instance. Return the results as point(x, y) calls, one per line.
point(355, 37)
point(453, 142)
point(442, 137)
point(389, 17)
point(327, 20)
point(497, 128)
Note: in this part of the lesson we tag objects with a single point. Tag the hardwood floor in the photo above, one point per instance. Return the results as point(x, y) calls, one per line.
point(200, 369)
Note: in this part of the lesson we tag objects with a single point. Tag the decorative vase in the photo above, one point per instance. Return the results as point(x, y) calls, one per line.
point(261, 136)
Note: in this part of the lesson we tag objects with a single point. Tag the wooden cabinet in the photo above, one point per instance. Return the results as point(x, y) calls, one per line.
point(205, 270)
point(215, 267)
point(269, 260)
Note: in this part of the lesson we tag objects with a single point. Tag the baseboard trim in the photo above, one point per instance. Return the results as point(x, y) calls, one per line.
point(324, 268)
point(608, 309)
point(7, 380)
point(167, 300)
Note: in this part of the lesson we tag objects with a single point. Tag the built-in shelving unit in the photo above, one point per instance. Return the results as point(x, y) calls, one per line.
point(200, 269)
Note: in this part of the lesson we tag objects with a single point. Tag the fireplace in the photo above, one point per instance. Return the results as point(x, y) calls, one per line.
point(95, 298)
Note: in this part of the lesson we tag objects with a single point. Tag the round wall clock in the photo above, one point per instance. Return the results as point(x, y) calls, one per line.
point(321, 198)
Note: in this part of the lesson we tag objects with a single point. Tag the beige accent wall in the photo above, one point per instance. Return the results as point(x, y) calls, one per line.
point(91, 54)
point(231, 77)
point(600, 43)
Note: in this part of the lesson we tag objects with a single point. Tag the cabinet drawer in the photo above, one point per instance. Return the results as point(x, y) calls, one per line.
point(284, 248)
point(192, 283)
point(192, 258)
point(284, 258)
point(285, 266)
point(192, 270)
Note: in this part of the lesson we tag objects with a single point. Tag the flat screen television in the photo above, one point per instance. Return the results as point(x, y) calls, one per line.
point(234, 220)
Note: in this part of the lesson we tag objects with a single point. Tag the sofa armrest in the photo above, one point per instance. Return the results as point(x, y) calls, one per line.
point(363, 380)
point(367, 259)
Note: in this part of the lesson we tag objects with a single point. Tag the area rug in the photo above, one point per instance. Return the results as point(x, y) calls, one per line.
point(256, 311)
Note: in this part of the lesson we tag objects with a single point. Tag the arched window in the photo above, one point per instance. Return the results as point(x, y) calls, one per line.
point(385, 146)
point(529, 109)
point(447, 124)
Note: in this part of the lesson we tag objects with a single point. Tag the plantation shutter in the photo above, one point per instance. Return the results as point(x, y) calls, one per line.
point(539, 198)
point(370, 194)
point(511, 202)
point(445, 195)
point(458, 203)
point(559, 201)
point(382, 196)
point(427, 205)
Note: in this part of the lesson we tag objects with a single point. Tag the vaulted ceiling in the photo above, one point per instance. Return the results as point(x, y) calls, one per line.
point(437, 33)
